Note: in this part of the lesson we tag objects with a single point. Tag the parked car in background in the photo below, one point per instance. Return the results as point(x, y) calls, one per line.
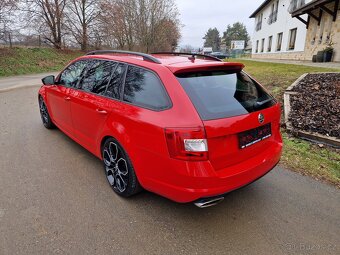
point(219, 55)
point(188, 127)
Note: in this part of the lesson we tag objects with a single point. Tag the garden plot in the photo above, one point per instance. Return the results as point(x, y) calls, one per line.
point(312, 107)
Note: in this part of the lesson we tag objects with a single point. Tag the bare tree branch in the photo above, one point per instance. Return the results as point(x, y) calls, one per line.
point(51, 12)
point(145, 25)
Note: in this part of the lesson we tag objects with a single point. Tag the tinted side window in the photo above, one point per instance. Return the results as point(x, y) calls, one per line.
point(97, 76)
point(143, 88)
point(115, 86)
point(72, 74)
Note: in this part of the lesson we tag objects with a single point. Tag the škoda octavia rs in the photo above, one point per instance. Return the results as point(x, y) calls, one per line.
point(188, 127)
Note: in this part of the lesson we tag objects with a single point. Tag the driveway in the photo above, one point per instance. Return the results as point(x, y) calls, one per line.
point(54, 199)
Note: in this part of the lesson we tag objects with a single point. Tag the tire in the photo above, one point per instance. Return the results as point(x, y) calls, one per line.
point(119, 170)
point(45, 116)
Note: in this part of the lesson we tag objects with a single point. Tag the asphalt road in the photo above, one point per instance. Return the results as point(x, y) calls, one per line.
point(20, 81)
point(54, 199)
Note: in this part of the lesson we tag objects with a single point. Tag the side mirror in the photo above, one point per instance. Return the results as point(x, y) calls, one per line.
point(48, 80)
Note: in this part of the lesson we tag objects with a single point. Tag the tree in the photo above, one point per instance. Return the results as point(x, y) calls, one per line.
point(212, 39)
point(143, 25)
point(166, 36)
point(7, 7)
point(81, 20)
point(151, 16)
point(237, 31)
point(47, 17)
point(117, 22)
point(187, 48)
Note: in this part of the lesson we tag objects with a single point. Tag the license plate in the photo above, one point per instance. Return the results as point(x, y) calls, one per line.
point(252, 136)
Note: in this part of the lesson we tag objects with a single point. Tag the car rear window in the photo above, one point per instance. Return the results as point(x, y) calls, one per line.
point(143, 88)
point(223, 94)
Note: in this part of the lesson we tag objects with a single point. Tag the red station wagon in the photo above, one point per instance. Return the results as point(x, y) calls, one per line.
point(188, 127)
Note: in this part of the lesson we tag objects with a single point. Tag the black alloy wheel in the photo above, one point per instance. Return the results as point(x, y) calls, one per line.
point(119, 170)
point(45, 117)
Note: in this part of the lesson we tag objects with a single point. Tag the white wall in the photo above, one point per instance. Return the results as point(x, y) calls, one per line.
point(284, 23)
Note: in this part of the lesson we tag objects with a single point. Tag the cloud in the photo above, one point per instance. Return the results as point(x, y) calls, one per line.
point(197, 16)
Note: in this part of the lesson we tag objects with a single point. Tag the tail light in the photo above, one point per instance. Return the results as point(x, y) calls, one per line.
point(187, 143)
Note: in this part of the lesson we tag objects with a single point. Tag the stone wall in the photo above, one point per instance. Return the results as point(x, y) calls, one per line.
point(316, 38)
point(300, 55)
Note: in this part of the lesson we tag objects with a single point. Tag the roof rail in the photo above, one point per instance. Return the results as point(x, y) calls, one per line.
point(146, 57)
point(189, 54)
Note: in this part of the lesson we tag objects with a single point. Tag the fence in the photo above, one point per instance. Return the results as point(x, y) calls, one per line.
point(16, 39)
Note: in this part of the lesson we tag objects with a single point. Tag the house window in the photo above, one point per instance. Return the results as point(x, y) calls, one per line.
point(257, 46)
point(292, 39)
point(279, 41)
point(295, 4)
point(273, 15)
point(262, 45)
point(259, 22)
point(270, 40)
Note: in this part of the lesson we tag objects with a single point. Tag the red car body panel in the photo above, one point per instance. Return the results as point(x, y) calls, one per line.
point(89, 119)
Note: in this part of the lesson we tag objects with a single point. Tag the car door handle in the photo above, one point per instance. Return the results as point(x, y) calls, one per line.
point(67, 98)
point(101, 111)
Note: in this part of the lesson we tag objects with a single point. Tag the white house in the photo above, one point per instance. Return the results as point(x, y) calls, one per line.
point(277, 35)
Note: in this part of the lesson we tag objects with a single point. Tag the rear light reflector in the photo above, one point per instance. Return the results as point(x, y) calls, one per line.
point(187, 143)
point(198, 145)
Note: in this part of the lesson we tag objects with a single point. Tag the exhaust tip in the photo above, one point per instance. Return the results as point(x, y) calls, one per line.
point(207, 202)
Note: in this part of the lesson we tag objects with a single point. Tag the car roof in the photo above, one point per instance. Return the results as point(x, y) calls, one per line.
point(175, 63)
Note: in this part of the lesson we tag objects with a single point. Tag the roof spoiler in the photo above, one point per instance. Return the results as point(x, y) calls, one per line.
point(224, 66)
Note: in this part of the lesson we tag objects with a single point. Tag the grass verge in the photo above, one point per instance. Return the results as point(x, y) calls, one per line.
point(277, 77)
point(18, 61)
point(298, 155)
point(309, 159)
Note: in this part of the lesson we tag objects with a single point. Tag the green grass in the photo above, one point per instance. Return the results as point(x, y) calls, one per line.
point(277, 77)
point(309, 159)
point(298, 155)
point(18, 61)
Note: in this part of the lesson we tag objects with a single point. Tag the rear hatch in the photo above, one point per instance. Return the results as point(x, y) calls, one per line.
point(240, 118)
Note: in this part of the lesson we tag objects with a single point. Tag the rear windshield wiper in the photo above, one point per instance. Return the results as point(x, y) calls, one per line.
point(259, 104)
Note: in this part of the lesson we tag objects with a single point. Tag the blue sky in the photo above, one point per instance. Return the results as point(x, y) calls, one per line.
point(197, 16)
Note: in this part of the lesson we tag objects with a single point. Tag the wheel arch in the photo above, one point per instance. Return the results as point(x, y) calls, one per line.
point(118, 138)
point(108, 136)
point(42, 93)
point(102, 142)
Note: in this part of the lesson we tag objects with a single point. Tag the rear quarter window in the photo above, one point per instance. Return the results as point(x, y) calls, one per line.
point(223, 94)
point(144, 88)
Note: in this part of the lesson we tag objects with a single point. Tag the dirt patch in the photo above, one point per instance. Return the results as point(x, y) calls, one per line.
point(316, 106)
point(6, 52)
point(46, 63)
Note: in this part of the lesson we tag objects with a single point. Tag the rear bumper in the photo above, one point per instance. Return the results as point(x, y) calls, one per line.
point(223, 194)
point(192, 186)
